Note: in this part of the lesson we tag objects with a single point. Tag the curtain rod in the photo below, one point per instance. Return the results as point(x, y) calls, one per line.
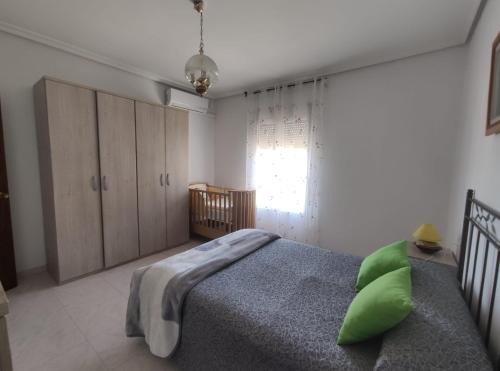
point(284, 86)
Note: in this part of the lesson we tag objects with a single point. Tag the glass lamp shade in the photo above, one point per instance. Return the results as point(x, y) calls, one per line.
point(202, 72)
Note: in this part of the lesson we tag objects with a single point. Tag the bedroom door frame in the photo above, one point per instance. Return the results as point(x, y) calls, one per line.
point(8, 275)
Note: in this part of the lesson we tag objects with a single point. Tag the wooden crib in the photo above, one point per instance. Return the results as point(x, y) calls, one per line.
point(216, 211)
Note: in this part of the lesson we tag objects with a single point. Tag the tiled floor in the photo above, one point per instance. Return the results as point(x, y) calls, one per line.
point(79, 325)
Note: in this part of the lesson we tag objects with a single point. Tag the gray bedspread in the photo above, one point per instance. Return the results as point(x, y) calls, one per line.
point(440, 333)
point(280, 308)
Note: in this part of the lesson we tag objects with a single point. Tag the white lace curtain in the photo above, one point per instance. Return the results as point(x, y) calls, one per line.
point(284, 151)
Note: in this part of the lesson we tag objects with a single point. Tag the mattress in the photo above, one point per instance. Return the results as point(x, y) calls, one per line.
point(278, 308)
point(281, 308)
point(217, 212)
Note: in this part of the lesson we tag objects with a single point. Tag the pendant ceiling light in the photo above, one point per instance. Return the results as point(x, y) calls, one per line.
point(201, 71)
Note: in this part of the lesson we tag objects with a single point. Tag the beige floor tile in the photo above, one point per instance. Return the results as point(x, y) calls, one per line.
point(38, 338)
point(103, 325)
point(119, 279)
point(147, 362)
point(80, 358)
point(150, 259)
point(79, 325)
point(92, 289)
point(116, 351)
point(28, 306)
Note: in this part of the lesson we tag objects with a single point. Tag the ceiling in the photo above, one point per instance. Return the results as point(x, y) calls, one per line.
point(254, 42)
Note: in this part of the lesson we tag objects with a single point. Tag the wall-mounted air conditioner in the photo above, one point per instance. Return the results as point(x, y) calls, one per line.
point(180, 99)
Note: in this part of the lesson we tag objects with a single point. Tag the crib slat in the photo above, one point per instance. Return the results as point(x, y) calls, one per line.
point(219, 212)
point(214, 210)
point(235, 214)
point(240, 212)
point(198, 207)
point(191, 208)
point(249, 210)
point(254, 209)
point(191, 205)
point(225, 213)
point(195, 203)
point(212, 219)
point(213, 206)
point(240, 208)
point(200, 217)
point(245, 209)
point(195, 207)
point(190, 195)
point(231, 205)
point(205, 208)
point(209, 209)
point(205, 222)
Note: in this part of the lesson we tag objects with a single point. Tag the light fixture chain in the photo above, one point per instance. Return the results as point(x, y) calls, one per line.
point(202, 45)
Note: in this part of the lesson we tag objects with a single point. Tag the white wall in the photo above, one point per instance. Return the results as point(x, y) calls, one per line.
point(22, 64)
point(477, 164)
point(201, 147)
point(230, 142)
point(389, 139)
point(389, 154)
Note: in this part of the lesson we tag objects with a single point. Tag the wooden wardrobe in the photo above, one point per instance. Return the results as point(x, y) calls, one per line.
point(113, 177)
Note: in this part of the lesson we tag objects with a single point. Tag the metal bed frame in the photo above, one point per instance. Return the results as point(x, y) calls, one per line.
point(479, 235)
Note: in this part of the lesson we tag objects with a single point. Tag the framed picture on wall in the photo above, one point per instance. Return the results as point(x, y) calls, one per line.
point(493, 123)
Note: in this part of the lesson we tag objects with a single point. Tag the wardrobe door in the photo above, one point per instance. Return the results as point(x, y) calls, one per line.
point(151, 177)
point(69, 169)
point(177, 124)
point(117, 152)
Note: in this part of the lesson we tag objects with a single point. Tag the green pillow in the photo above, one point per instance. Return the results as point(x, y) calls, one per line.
point(382, 261)
point(378, 307)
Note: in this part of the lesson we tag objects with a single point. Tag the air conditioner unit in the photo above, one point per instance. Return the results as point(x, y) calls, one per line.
point(180, 99)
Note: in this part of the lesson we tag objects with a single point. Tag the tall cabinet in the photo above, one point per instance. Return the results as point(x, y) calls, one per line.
point(117, 153)
point(151, 171)
point(69, 170)
point(113, 177)
point(176, 129)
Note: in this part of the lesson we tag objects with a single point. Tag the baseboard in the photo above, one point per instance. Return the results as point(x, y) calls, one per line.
point(31, 271)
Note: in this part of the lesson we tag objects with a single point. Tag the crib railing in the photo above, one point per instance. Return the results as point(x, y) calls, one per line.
point(216, 211)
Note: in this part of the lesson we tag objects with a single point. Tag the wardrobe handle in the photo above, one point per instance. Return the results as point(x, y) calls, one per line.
point(161, 180)
point(104, 183)
point(168, 179)
point(94, 183)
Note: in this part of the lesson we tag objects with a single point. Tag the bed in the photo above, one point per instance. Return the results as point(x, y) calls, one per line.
point(280, 307)
point(216, 211)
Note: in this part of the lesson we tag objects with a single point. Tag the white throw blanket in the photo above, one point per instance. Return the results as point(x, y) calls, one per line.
point(157, 291)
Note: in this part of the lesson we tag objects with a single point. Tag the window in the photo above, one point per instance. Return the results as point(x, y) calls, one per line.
point(281, 166)
point(280, 179)
point(284, 152)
